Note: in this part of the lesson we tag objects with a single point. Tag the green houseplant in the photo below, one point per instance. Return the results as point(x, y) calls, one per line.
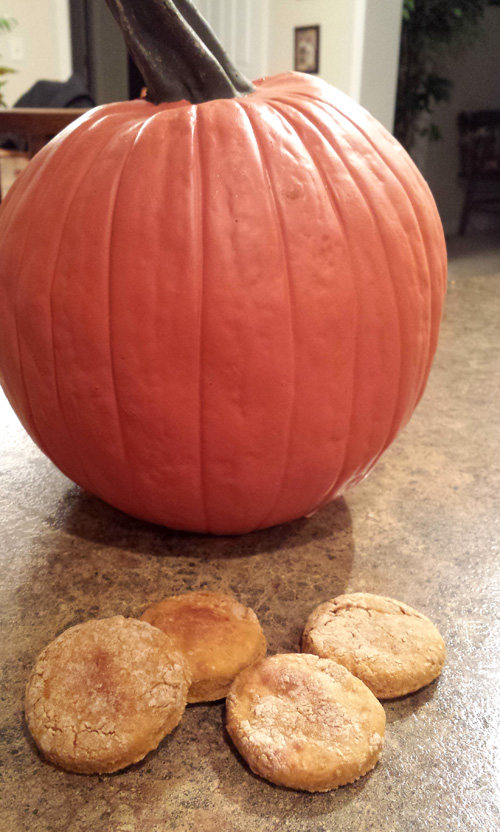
point(431, 31)
point(6, 25)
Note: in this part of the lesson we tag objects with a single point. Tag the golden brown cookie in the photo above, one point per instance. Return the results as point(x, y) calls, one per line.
point(304, 722)
point(393, 648)
point(217, 635)
point(104, 693)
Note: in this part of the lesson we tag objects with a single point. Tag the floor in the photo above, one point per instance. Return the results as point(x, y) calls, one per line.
point(475, 253)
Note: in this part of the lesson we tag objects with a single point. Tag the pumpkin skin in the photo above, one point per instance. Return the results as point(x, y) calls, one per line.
point(217, 317)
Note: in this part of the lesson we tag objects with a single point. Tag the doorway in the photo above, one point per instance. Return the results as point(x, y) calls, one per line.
point(100, 57)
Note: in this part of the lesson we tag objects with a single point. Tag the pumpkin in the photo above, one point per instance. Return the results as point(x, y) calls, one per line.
point(218, 305)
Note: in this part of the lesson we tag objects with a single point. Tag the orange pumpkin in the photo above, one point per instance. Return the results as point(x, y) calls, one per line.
point(217, 315)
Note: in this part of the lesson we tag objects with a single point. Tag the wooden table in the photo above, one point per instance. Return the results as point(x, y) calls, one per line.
point(36, 125)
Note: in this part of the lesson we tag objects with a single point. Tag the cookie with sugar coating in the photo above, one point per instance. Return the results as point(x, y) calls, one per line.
point(105, 693)
point(217, 635)
point(391, 647)
point(304, 722)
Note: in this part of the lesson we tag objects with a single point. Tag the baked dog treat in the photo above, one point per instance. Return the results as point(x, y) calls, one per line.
point(104, 693)
point(393, 648)
point(217, 635)
point(304, 722)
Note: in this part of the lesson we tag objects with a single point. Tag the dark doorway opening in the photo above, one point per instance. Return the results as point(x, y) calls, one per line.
point(100, 57)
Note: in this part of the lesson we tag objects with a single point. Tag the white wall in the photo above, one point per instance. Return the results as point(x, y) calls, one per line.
point(38, 47)
point(336, 21)
point(476, 86)
point(377, 61)
point(359, 46)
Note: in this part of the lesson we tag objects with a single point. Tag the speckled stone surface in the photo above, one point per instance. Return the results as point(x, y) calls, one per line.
point(424, 528)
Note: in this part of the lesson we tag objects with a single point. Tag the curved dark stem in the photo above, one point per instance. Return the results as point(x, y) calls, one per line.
point(176, 52)
point(200, 26)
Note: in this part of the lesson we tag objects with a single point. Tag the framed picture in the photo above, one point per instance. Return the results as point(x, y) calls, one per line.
point(306, 49)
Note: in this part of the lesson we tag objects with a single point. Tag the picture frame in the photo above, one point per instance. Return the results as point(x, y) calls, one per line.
point(306, 49)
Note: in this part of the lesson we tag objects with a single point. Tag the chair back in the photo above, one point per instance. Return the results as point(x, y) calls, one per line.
point(479, 143)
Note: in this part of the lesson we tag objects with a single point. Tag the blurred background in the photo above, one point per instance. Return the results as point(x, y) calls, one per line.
point(416, 65)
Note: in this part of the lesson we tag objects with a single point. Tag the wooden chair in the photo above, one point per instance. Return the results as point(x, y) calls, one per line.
point(479, 147)
point(36, 125)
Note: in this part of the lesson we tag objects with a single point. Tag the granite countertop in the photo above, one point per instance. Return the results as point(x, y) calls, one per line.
point(424, 528)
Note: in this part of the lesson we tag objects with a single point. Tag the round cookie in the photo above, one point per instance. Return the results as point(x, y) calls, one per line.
point(104, 693)
point(304, 722)
point(391, 647)
point(217, 635)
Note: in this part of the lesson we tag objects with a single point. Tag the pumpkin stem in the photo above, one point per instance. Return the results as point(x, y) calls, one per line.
point(176, 51)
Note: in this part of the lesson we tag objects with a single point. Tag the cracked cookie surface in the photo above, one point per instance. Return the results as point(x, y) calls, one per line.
point(391, 647)
point(304, 722)
point(216, 634)
point(105, 693)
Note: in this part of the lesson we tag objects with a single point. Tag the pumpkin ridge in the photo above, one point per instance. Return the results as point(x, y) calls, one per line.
point(429, 353)
point(246, 107)
point(397, 419)
point(373, 213)
point(340, 156)
point(86, 481)
point(363, 191)
point(338, 215)
point(4, 208)
point(427, 240)
point(424, 246)
point(22, 196)
point(112, 234)
point(201, 191)
point(53, 280)
point(421, 184)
